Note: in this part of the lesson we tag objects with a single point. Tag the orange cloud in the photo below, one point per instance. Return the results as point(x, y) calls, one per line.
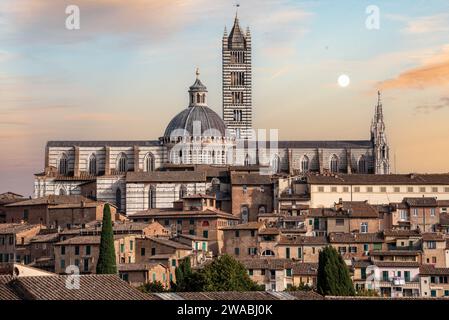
point(433, 72)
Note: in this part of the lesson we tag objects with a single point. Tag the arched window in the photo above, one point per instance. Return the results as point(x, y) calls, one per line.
point(92, 165)
point(268, 253)
point(334, 164)
point(384, 168)
point(148, 163)
point(122, 163)
point(247, 160)
point(262, 209)
point(198, 98)
point(362, 164)
point(118, 199)
point(63, 164)
point(276, 163)
point(182, 191)
point(244, 211)
point(151, 198)
point(305, 164)
point(62, 192)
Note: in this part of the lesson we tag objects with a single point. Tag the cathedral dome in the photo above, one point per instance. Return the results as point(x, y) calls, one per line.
point(208, 120)
point(198, 118)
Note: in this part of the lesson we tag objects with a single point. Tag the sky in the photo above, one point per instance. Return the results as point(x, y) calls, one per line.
point(125, 73)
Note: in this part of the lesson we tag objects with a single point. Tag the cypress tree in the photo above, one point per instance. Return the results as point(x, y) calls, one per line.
point(333, 274)
point(183, 273)
point(106, 259)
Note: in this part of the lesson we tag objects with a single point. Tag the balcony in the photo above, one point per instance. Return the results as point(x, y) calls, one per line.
point(399, 282)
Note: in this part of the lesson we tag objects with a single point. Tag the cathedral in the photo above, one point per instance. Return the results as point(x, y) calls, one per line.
point(138, 175)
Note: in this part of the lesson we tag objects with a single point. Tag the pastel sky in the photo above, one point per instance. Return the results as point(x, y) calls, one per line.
point(125, 73)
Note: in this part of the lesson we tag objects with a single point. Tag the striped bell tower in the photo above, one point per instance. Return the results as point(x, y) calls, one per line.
point(237, 81)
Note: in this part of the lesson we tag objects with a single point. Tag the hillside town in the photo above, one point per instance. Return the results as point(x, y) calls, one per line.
point(268, 223)
point(207, 189)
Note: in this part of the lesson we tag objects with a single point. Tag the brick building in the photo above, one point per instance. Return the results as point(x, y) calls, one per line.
point(54, 211)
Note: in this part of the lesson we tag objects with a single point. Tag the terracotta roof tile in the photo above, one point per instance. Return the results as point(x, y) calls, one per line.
point(356, 238)
point(427, 269)
point(6, 292)
point(92, 287)
point(303, 240)
point(380, 179)
point(421, 202)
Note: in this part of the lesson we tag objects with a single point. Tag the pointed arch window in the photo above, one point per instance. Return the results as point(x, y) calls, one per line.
point(122, 163)
point(247, 160)
point(151, 198)
point(305, 164)
point(62, 192)
point(118, 199)
point(182, 191)
point(149, 163)
point(362, 165)
point(334, 164)
point(276, 163)
point(63, 164)
point(383, 152)
point(92, 165)
point(244, 211)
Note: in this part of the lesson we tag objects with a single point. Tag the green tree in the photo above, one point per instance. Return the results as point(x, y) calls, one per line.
point(106, 259)
point(301, 287)
point(222, 274)
point(227, 274)
point(333, 274)
point(155, 286)
point(182, 272)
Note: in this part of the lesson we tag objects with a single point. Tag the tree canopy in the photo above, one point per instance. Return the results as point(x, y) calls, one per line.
point(223, 274)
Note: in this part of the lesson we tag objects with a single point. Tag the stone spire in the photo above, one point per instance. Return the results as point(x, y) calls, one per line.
point(379, 140)
point(236, 37)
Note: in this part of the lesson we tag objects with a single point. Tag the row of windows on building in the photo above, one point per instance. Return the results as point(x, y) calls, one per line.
point(198, 98)
point(382, 189)
point(237, 56)
point(237, 78)
point(237, 98)
point(305, 163)
point(203, 156)
point(122, 163)
point(404, 214)
point(7, 240)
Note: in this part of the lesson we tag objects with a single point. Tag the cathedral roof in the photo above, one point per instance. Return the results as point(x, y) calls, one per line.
point(198, 118)
point(198, 86)
point(336, 144)
point(199, 115)
point(99, 143)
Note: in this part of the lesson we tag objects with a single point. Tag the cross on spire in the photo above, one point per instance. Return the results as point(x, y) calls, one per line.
point(197, 72)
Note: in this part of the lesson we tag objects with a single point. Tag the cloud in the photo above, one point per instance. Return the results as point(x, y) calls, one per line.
point(433, 72)
point(430, 24)
point(43, 21)
point(426, 109)
point(422, 25)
